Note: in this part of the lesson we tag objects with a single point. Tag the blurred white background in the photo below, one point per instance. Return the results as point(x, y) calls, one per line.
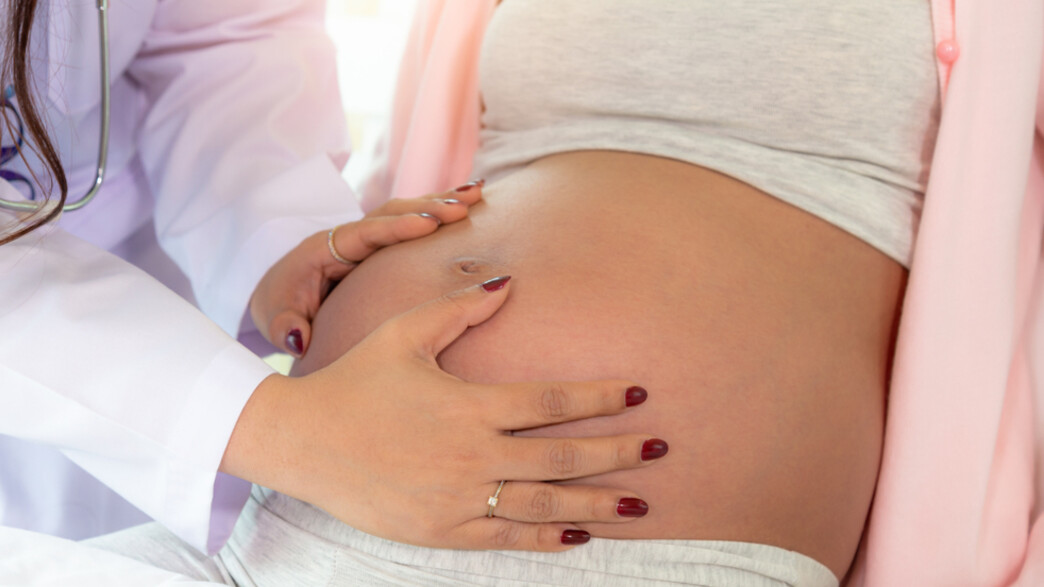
point(369, 35)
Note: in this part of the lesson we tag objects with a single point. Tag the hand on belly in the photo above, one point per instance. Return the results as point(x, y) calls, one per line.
point(761, 333)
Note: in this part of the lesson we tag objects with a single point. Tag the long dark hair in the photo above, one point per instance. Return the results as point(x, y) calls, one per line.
point(14, 70)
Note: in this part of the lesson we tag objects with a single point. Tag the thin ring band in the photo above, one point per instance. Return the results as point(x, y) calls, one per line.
point(493, 499)
point(333, 249)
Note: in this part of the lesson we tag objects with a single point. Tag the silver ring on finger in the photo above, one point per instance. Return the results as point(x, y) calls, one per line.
point(494, 499)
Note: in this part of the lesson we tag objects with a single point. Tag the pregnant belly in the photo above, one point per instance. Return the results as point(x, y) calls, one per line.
point(762, 333)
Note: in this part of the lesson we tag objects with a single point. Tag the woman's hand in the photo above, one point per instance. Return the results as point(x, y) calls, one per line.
point(386, 441)
point(288, 296)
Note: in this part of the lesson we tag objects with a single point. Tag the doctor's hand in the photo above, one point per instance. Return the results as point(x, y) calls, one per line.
point(288, 296)
point(390, 444)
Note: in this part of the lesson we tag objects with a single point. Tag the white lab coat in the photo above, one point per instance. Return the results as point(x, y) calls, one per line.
point(227, 143)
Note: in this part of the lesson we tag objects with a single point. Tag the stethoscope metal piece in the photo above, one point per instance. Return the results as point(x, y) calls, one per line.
point(103, 138)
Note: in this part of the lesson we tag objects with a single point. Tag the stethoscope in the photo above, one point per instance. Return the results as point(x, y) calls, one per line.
point(103, 140)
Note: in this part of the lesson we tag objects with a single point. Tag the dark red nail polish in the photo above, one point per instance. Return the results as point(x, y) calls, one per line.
point(653, 448)
point(469, 185)
point(575, 537)
point(631, 507)
point(295, 342)
point(496, 283)
point(635, 395)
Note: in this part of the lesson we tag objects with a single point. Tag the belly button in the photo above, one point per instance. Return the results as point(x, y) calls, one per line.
point(472, 266)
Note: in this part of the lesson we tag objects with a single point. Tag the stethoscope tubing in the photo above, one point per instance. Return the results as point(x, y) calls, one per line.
point(103, 137)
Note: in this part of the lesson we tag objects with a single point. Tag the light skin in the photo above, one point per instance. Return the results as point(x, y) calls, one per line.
point(365, 438)
point(288, 296)
point(764, 333)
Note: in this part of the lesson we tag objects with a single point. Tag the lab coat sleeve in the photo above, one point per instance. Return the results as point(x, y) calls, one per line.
point(244, 139)
point(129, 380)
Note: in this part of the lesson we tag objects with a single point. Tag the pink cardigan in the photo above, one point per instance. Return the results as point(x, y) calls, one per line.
point(960, 483)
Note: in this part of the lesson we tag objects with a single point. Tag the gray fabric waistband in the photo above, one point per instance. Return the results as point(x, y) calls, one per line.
point(280, 539)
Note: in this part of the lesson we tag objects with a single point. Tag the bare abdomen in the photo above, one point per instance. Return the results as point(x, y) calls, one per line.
point(761, 332)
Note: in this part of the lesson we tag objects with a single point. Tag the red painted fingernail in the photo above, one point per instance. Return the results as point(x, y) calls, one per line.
point(631, 507)
point(469, 185)
point(451, 201)
point(575, 537)
point(496, 283)
point(653, 448)
point(635, 395)
point(295, 342)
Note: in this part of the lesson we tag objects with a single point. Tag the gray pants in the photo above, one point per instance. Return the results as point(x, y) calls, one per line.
point(280, 541)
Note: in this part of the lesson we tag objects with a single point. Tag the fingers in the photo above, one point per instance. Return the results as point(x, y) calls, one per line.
point(503, 534)
point(518, 406)
point(545, 502)
point(288, 295)
point(454, 201)
point(569, 458)
point(528, 516)
point(357, 240)
point(402, 220)
point(431, 327)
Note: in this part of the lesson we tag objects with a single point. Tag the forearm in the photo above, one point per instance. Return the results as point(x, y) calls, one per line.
point(140, 390)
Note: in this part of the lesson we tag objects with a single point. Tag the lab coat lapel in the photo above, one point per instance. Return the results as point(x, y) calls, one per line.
point(73, 48)
point(72, 56)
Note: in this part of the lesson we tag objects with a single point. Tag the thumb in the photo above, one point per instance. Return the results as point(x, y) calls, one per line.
point(291, 331)
point(431, 327)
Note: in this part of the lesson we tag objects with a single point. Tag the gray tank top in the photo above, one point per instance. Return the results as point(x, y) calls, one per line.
point(829, 105)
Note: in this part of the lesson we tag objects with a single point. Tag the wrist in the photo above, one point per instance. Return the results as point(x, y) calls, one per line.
point(261, 443)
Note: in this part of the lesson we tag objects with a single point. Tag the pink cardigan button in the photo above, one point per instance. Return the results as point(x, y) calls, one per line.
point(947, 51)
